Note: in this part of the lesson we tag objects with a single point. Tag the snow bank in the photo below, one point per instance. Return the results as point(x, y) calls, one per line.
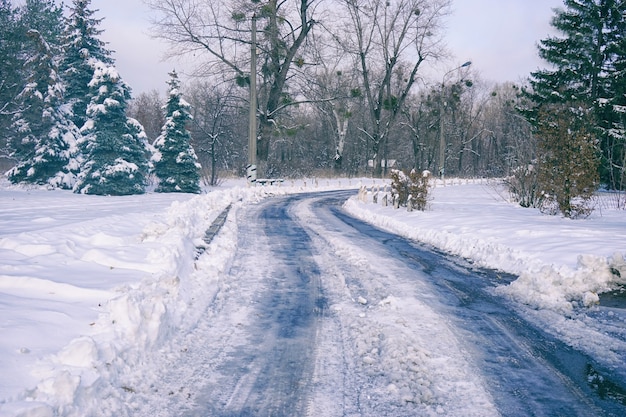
point(562, 264)
point(155, 295)
point(90, 284)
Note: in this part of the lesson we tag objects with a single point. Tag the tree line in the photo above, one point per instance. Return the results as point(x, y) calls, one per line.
point(342, 91)
point(340, 103)
point(351, 96)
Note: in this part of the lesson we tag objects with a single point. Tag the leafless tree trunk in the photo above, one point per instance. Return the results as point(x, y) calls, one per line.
point(332, 90)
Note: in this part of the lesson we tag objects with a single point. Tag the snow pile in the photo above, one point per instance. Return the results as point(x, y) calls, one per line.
point(562, 263)
point(563, 289)
point(138, 272)
point(90, 285)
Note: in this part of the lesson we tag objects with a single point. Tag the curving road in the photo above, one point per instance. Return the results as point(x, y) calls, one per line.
point(320, 314)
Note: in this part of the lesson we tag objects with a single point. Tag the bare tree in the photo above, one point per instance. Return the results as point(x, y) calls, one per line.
point(421, 120)
point(508, 141)
point(220, 32)
point(215, 128)
point(390, 40)
point(147, 108)
point(335, 93)
point(471, 127)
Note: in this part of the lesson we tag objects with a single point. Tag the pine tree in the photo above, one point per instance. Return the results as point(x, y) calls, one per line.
point(82, 49)
point(45, 140)
point(613, 114)
point(585, 61)
point(16, 47)
point(175, 162)
point(45, 17)
point(577, 57)
point(11, 78)
point(113, 145)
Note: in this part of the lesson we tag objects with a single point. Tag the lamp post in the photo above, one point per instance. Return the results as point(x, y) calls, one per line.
point(442, 138)
point(251, 168)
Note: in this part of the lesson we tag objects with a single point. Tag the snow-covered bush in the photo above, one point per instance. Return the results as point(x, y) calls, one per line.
point(410, 190)
point(399, 188)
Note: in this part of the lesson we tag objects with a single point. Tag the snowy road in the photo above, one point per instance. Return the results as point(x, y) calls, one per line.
point(319, 314)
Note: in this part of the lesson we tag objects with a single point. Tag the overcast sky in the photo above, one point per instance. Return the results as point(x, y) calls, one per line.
point(498, 36)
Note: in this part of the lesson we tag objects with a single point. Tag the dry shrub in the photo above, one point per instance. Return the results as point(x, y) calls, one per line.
point(410, 189)
point(524, 186)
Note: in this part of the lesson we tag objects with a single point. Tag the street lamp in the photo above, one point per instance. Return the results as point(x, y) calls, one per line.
point(442, 105)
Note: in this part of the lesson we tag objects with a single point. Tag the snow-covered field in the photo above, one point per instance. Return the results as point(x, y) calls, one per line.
point(89, 284)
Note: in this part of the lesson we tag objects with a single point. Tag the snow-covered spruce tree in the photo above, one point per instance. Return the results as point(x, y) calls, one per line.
point(175, 162)
point(44, 143)
point(16, 48)
point(113, 145)
point(80, 49)
point(585, 71)
point(45, 17)
point(10, 66)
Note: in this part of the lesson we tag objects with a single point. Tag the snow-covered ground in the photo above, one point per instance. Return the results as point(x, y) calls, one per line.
point(562, 264)
point(89, 284)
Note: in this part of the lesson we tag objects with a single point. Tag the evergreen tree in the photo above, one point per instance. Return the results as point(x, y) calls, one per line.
point(175, 162)
point(585, 61)
point(45, 140)
point(613, 110)
point(11, 79)
point(113, 145)
point(16, 47)
point(82, 49)
point(45, 17)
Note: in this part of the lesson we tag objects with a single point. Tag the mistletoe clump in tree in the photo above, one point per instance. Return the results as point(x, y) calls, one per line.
point(113, 145)
point(44, 141)
point(175, 162)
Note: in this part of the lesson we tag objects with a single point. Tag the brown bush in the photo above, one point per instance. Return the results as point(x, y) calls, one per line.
point(410, 189)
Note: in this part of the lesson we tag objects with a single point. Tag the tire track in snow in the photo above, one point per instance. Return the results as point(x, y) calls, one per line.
point(267, 369)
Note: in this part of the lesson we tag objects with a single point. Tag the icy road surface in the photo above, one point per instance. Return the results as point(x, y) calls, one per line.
point(319, 314)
